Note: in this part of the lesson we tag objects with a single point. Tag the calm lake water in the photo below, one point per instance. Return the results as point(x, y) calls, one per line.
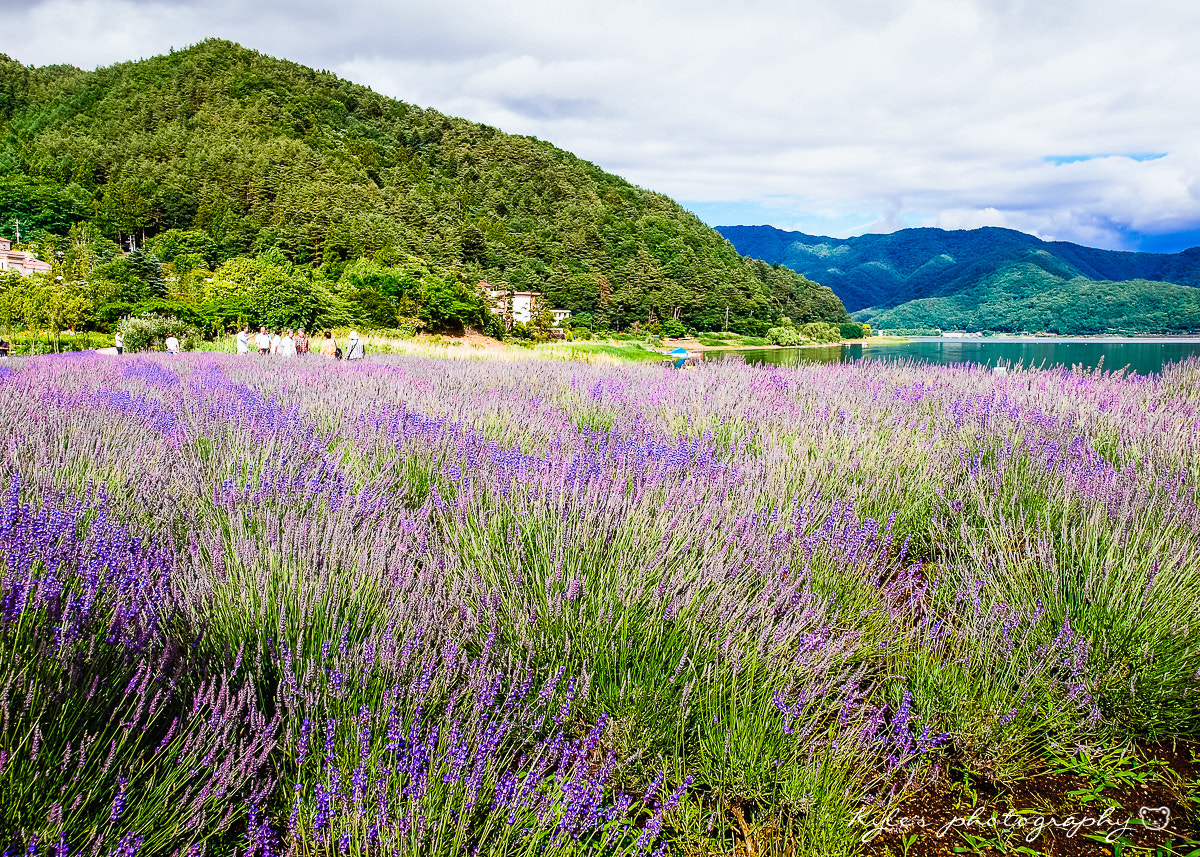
point(1144, 356)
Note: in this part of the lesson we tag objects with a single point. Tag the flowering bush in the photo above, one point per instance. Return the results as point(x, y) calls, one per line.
point(145, 332)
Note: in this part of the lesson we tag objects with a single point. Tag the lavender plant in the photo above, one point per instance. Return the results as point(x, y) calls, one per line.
point(110, 734)
point(446, 607)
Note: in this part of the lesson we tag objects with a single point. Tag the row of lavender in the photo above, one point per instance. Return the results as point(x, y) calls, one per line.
point(415, 607)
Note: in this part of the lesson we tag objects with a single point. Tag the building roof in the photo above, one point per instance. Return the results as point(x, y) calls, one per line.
point(16, 260)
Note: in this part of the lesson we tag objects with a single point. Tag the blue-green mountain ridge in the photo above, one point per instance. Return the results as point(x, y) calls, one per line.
point(989, 279)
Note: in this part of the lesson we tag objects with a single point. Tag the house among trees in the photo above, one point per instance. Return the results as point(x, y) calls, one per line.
point(520, 306)
point(15, 260)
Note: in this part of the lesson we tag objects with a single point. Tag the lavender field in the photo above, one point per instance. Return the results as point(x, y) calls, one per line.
point(464, 607)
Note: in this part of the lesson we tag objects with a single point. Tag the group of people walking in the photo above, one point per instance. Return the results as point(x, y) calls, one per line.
point(290, 343)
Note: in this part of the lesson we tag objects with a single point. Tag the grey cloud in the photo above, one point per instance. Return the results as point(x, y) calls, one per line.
point(897, 113)
point(554, 108)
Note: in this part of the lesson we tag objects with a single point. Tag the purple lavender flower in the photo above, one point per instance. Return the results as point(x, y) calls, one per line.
point(118, 804)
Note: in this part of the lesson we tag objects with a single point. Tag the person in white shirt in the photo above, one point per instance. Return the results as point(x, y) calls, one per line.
point(276, 340)
point(172, 344)
point(243, 341)
point(262, 342)
point(119, 340)
point(287, 345)
point(355, 350)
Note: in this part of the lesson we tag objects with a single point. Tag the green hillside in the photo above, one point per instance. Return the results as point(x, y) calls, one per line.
point(1025, 297)
point(989, 279)
point(257, 189)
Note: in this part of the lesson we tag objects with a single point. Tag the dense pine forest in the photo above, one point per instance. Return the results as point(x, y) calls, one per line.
point(224, 187)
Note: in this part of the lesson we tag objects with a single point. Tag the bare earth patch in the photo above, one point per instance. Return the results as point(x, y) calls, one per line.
point(1054, 813)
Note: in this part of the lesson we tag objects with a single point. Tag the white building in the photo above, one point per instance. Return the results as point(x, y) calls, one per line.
point(15, 260)
point(519, 305)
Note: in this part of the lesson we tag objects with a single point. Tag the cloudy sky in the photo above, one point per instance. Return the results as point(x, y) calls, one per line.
point(1071, 119)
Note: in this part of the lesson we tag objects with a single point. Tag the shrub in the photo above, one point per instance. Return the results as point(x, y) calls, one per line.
point(911, 331)
point(783, 336)
point(143, 332)
point(405, 328)
point(109, 315)
point(493, 326)
point(750, 326)
point(373, 309)
point(671, 327)
point(820, 331)
point(33, 343)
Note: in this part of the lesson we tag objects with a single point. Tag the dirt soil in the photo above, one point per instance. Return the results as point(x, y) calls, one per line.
point(478, 340)
point(470, 338)
point(1062, 815)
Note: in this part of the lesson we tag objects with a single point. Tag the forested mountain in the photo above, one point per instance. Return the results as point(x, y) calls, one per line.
point(248, 183)
point(989, 279)
point(1026, 298)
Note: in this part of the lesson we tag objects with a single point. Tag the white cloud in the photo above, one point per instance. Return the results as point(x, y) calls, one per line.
point(970, 218)
point(862, 112)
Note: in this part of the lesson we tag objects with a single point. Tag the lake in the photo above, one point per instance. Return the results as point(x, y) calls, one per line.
point(1142, 355)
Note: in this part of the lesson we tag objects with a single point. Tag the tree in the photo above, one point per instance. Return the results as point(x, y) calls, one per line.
point(68, 307)
point(84, 248)
point(220, 152)
point(284, 298)
point(146, 267)
point(270, 291)
point(173, 243)
point(132, 278)
point(449, 306)
point(784, 335)
point(541, 320)
point(40, 206)
point(819, 331)
point(12, 301)
point(44, 303)
point(671, 327)
point(372, 308)
point(188, 271)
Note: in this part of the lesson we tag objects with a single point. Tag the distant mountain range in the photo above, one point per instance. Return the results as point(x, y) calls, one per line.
point(989, 279)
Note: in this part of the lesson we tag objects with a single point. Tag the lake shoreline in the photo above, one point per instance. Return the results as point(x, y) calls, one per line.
point(694, 345)
point(1096, 339)
point(1141, 355)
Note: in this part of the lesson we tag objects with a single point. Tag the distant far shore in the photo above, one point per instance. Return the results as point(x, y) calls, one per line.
point(1096, 337)
point(692, 344)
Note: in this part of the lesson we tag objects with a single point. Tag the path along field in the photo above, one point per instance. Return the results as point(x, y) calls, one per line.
point(456, 607)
